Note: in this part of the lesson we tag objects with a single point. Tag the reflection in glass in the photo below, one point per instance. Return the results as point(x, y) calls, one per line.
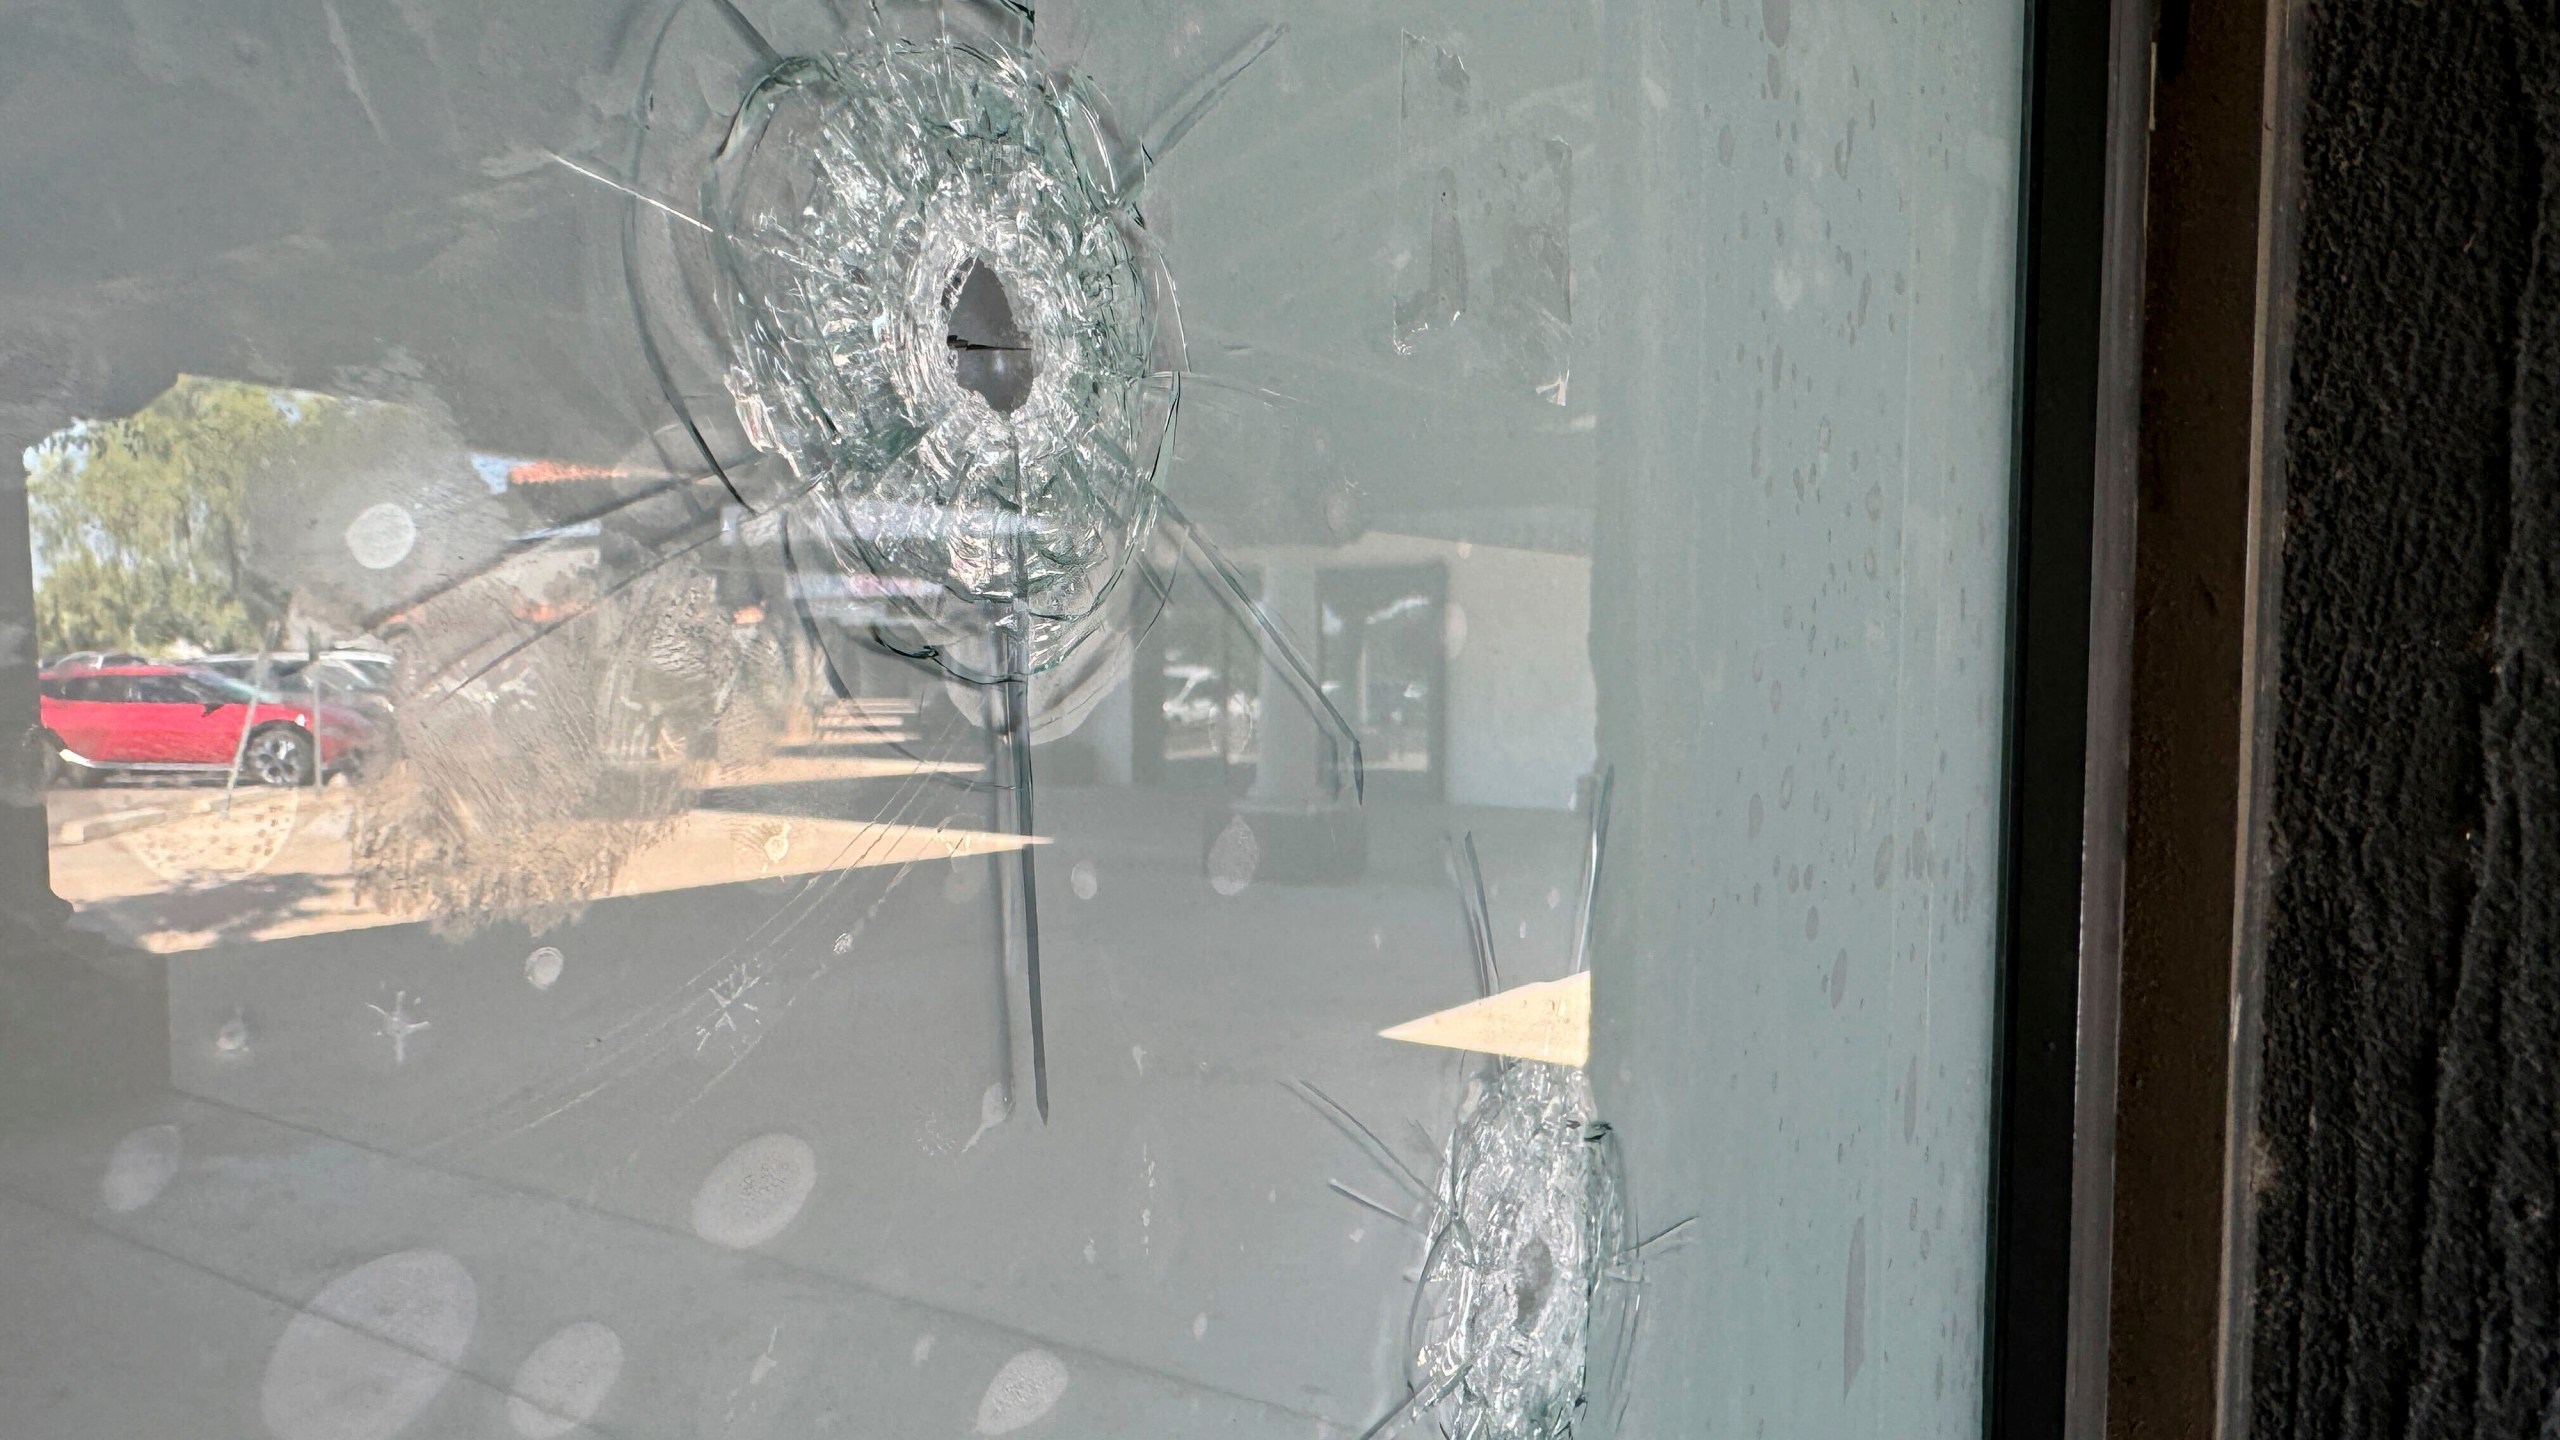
point(818, 719)
point(1382, 635)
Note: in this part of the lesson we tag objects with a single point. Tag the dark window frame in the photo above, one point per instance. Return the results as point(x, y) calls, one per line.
point(2078, 347)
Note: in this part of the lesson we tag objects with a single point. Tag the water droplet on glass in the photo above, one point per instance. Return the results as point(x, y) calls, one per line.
point(1086, 880)
point(542, 967)
point(233, 1037)
point(922, 1352)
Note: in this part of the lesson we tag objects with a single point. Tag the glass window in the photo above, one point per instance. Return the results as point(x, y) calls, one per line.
point(1382, 635)
point(215, 689)
point(1146, 722)
point(163, 690)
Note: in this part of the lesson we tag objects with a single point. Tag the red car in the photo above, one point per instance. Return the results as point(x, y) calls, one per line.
point(174, 719)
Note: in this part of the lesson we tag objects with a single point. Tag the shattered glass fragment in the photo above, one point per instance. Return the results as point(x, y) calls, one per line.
point(945, 317)
point(1525, 1312)
point(1526, 1277)
point(951, 361)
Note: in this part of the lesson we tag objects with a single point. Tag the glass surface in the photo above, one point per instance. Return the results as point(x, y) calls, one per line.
point(741, 718)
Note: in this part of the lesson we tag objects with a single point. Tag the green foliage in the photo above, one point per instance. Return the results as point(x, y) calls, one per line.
point(136, 522)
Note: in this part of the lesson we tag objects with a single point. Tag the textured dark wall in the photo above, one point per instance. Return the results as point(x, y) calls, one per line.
point(2406, 1266)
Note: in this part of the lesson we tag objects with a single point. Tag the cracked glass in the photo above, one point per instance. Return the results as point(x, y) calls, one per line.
point(797, 717)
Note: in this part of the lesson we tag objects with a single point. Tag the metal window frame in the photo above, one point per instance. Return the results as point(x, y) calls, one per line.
point(2087, 84)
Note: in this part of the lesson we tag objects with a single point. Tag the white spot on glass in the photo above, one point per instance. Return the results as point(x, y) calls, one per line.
point(382, 536)
point(1233, 858)
point(372, 1350)
point(1025, 1390)
point(140, 1167)
point(755, 1193)
point(560, 1386)
point(993, 1107)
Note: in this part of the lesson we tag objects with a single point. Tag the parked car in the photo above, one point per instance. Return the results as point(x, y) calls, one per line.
point(340, 671)
point(370, 668)
point(175, 719)
point(96, 659)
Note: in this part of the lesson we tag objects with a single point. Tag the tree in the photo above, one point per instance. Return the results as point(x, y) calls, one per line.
point(136, 522)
